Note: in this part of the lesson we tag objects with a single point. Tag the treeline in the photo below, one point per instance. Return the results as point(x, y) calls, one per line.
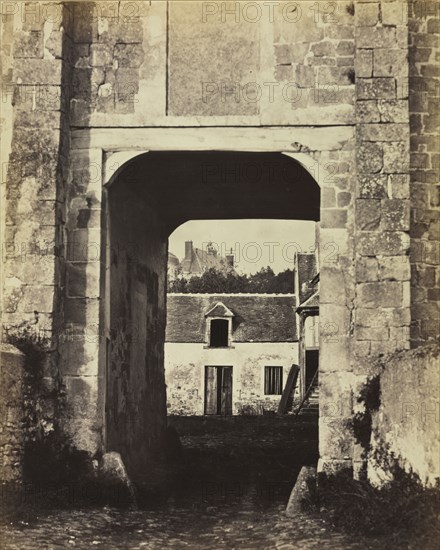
point(214, 281)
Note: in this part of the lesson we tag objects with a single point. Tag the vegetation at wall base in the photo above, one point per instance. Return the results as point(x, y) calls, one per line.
point(401, 508)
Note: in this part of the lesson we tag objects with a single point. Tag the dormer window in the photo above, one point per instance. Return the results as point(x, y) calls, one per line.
point(219, 326)
point(219, 333)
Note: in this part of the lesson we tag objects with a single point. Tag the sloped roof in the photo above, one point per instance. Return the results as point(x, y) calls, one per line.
point(219, 310)
point(202, 260)
point(307, 270)
point(310, 303)
point(257, 317)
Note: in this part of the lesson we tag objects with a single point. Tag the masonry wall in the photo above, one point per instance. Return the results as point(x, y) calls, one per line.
point(350, 76)
point(424, 86)
point(135, 387)
point(407, 423)
point(185, 374)
point(12, 422)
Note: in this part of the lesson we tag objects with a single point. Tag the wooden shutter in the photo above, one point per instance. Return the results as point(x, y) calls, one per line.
point(210, 390)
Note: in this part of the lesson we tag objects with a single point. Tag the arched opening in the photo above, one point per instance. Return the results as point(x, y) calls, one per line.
point(146, 200)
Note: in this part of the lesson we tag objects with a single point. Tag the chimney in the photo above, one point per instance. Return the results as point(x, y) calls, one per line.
point(230, 259)
point(188, 250)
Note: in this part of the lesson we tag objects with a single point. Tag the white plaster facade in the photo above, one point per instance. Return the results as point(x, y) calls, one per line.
point(185, 374)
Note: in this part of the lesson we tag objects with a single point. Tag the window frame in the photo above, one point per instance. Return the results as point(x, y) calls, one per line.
point(209, 332)
point(281, 381)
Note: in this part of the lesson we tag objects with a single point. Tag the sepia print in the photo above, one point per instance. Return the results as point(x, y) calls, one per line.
point(220, 274)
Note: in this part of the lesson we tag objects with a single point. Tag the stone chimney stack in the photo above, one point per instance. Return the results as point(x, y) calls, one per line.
point(230, 259)
point(188, 250)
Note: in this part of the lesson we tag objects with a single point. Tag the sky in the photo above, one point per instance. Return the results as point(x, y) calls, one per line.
point(247, 239)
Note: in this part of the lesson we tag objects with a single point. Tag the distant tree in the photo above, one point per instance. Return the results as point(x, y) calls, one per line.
point(213, 281)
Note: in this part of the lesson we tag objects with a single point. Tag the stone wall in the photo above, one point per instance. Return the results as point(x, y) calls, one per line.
point(407, 423)
point(424, 86)
point(135, 394)
point(12, 421)
point(111, 79)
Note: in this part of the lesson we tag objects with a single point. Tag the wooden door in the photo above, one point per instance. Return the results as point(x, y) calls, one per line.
point(218, 390)
point(225, 387)
point(210, 390)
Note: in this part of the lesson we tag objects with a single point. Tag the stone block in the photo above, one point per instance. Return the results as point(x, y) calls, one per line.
point(363, 63)
point(335, 75)
point(367, 14)
point(380, 334)
point(389, 62)
point(82, 311)
point(380, 37)
point(394, 13)
point(367, 111)
point(394, 268)
point(374, 318)
point(389, 243)
point(383, 132)
point(83, 279)
point(339, 32)
point(393, 110)
point(304, 76)
point(376, 88)
point(368, 214)
point(328, 197)
point(396, 157)
point(84, 245)
point(369, 158)
point(80, 353)
point(323, 49)
point(100, 55)
point(395, 215)
point(29, 45)
point(284, 73)
point(39, 71)
point(345, 47)
point(37, 298)
point(300, 491)
point(380, 294)
point(129, 55)
point(367, 270)
point(333, 218)
point(344, 199)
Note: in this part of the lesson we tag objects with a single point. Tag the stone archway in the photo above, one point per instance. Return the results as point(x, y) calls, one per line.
point(100, 157)
point(148, 197)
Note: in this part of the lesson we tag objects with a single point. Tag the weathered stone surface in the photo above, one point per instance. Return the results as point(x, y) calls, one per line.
point(395, 215)
point(381, 37)
point(100, 55)
point(389, 243)
point(369, 158)
point(29, 45)
point(383, 132)
point(376, 88)
point(367, 14)
point(380, 294)
point(394, 13)
point(368, 214)
point(393, 111)
point(367, 111)
point(301, 490)
point(334, 218)
point(388, 62)
point(364, 63)
point(395, 157)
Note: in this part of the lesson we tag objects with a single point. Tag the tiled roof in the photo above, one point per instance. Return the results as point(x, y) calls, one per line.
point(306, 272)
point(219, 310)
point(201, 261)
point(257, 317)
point(311, 303)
